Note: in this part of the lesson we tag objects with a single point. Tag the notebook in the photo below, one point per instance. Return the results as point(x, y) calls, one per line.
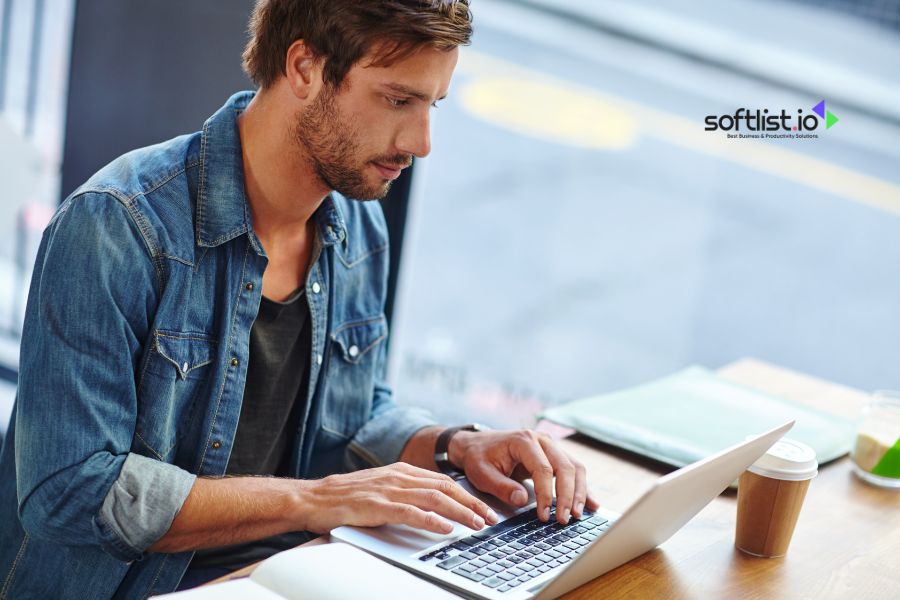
point(693, 413)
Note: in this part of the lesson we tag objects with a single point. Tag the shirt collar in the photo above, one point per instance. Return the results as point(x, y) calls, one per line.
point(222, 209)
point(330, 222)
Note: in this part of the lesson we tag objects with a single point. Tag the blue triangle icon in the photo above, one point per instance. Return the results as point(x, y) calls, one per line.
point(819, 109)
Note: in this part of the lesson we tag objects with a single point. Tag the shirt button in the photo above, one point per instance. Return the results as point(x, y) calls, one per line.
point(318, 359)
point(249, 286)
point(184, 367)
point(317, 288)
point(353, 351)
point(234, 362)
point(217, 444)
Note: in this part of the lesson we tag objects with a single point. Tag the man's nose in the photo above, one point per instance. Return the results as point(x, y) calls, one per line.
point(415, 137)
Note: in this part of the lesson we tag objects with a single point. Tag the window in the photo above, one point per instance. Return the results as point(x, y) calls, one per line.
point(34, 59)
point(576, 230)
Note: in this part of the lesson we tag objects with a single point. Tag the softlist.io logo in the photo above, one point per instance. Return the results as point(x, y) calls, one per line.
point(760, 124)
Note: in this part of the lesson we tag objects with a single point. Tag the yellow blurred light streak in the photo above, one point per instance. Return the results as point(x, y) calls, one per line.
point(537, 104)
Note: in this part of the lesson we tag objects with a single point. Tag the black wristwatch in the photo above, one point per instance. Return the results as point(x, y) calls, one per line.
point(442, 449)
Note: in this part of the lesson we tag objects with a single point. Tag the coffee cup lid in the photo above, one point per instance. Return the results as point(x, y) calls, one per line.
point(788, 460)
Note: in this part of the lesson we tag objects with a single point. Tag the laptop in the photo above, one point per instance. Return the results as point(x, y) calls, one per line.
point(522, 557)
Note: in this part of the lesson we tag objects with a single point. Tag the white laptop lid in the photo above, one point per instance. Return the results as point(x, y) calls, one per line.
point(662, 510)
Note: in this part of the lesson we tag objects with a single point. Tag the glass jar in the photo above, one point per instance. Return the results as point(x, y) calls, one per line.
point(876, 453)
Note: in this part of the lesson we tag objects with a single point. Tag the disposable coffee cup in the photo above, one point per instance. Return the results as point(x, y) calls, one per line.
point(770, 495)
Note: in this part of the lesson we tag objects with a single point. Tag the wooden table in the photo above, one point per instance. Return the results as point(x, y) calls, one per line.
point(846, 544)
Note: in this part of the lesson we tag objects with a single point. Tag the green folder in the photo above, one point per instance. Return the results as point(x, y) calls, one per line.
point(694, 413)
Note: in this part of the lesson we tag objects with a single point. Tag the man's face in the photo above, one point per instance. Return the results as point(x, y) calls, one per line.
point(358, 137)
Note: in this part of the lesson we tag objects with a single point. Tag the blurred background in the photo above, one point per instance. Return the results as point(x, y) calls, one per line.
point(575, 229)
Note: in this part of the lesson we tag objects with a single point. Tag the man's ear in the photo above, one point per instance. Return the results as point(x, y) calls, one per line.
point(303, 70)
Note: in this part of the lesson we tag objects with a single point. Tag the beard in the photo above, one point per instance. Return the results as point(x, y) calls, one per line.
point(328, 141)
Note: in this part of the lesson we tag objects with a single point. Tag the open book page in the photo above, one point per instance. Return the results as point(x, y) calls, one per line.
point(340, 571)
point(236, 589)
point(324, 572)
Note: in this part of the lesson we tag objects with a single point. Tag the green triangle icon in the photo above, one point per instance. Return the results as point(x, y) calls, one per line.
point(830, 119)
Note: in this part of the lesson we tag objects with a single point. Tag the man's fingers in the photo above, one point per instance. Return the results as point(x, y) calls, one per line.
point(435, 501)
point(591, 502)
point(466, 499)
point(450, 488)
point(489, 479)
point(565, 478)
point(528, 451)
point(580, 498)
point(407, 514)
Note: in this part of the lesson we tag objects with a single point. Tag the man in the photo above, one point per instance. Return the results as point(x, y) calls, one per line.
point(208, 307)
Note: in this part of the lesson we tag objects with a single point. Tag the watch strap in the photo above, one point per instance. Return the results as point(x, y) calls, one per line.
point(442, 449)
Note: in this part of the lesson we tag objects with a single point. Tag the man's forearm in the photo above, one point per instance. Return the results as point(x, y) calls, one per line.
point(220, 512)
point(233, 510)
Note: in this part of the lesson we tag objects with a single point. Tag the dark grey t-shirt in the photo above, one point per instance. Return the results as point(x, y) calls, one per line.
point(274, 401)
point(276, 388)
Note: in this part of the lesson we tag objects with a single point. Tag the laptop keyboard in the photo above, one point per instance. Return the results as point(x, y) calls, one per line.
point(514, 551)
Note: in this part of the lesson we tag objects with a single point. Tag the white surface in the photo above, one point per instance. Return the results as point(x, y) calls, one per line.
point(321, 572)
point(238, 589)
point(338, 571)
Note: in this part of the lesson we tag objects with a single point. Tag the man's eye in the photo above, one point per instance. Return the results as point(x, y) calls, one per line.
point(397, 102)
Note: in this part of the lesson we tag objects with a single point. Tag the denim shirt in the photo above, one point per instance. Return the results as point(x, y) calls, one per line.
point(134, 358)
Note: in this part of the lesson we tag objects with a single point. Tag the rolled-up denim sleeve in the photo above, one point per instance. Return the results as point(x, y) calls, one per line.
point(141, 505)
point(93, 295)
point(381, 440)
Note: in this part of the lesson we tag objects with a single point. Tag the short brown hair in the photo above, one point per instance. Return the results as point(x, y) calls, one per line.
point(341, 32)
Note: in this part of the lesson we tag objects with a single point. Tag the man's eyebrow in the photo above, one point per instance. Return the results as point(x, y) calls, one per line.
point(408, 91)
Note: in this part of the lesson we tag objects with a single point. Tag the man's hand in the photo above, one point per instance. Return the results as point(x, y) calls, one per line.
point(397, 493)
point(496, 461)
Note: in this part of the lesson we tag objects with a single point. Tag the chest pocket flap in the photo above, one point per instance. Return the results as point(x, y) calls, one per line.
point(185, 351)
point(356, 339)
